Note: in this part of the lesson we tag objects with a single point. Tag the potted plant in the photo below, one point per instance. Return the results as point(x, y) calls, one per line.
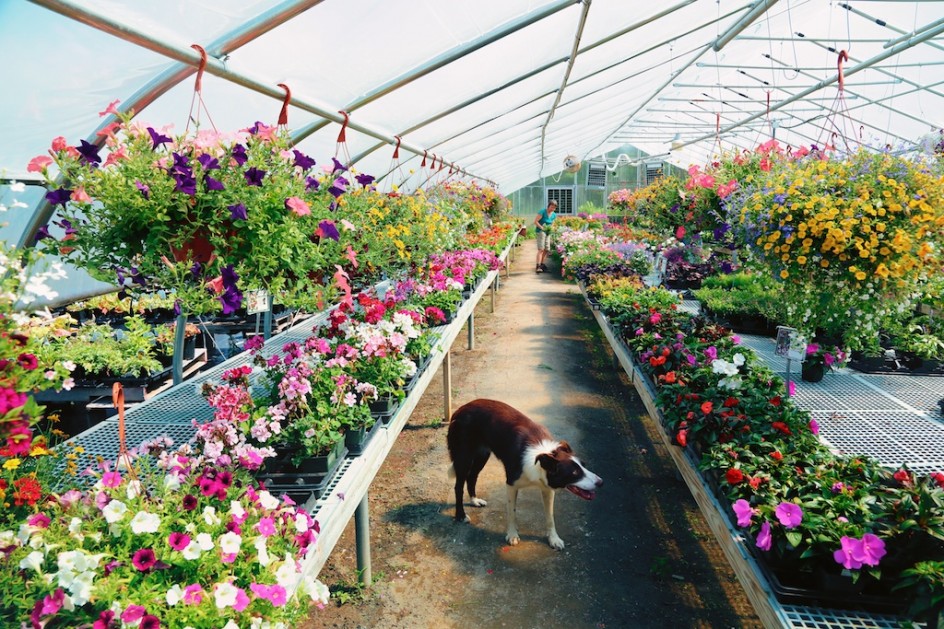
point(820, 358)
point(206, 215)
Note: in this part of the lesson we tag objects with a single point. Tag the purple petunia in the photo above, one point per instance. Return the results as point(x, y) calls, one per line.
point(208, 162)
point(239, 154)
point(213, 184)
point(338, 166)
point(144, 188)
point(59, 197)
point(42, 233)
point(303, 161)
point(157, 138)
point(178, 541)
point(364, 180)
point(254, 176)
point(231, 299)
point(144, 559)
point(238, 212)
point(89, 152)
point(329, 230)
point(312, 183)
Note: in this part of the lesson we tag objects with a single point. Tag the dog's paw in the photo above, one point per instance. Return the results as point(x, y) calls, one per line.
point(512, 538)
point(556, 542)
point(478, 502)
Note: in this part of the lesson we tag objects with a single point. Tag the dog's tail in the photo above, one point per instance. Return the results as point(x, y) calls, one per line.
point(451, 472)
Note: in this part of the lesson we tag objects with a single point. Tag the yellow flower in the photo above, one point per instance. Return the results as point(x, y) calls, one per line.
point(801, 260)
point(11, 464)
point(784, 274)
point(860, 275)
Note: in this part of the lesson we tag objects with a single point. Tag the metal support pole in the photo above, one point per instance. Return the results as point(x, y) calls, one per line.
point(267, 320)
point(447, 386)
point(180, 330)
point(471, 328)
point(362, 541)
point(494, 286)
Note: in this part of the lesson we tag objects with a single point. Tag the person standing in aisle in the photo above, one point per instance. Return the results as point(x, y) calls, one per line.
point(542, 226)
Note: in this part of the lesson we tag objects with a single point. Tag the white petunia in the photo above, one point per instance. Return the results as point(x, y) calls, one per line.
point(230, 543)
point(134, 489)
point(33, 561)
point(192, 552)
point(225, 596)
point(114, 511)
point(268, 501)
point(205, 541)
point(236, 509)
point(75, 525)
point(174, 595)
point(316, 590)
point(261, 552)
point(144, 522)
point(210, 517)
point(172, 482)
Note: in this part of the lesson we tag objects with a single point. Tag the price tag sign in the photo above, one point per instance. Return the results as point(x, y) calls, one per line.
point(790, 344)
point(257, 301)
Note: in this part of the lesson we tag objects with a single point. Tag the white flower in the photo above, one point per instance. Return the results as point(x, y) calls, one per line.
point(114, 511)
point(192, 552)
point(75, 525)
point(738, 359)
point(69, 365)
point(268, 501)
point(225, 596)
point(205, 541)
point(230, 624)
point(261, 552)
point(230, 543)
point(144, 522)
point(286, 575)
point(301, 522)
point(174, 595)
point(33, 561)
point(317, 590)
point(172, 482)
point(134, 489)
point(236, 509)
point(210, 517)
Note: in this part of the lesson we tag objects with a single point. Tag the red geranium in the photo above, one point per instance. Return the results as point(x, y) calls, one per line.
point(707, 407)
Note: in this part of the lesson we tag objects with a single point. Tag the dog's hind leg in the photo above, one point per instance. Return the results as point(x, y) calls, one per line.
point(552, 538)
point(461, 470)
point(481, 458)
point(511, 532)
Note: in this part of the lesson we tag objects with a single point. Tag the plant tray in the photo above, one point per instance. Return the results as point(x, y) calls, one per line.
point(299, 486)
point(356, 449)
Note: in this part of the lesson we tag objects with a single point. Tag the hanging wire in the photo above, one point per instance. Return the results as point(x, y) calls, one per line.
point(793, 38)
point(196, 100)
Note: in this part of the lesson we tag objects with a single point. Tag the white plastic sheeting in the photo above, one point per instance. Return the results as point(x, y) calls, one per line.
point(491, 85)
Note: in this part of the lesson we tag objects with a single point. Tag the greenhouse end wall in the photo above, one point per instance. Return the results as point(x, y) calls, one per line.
point(582, 191)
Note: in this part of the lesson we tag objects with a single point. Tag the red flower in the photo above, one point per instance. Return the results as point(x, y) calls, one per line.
point(731, 402)
point(775, 401)
point(782, 427)
point(681, 437)
point(939, 479)
point(26, 491)
point(734, 476)
point(707, 407)
point(755, 481)
point(776, 456)
point(655, 361)
point(670, 378)
point(904, 477)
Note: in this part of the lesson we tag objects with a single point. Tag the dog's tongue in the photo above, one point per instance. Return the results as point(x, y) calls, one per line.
point(583, 493)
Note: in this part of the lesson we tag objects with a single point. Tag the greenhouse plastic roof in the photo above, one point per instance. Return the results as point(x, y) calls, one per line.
point(502, 89)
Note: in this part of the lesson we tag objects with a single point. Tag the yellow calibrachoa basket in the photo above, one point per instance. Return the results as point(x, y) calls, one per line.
point(850, 238)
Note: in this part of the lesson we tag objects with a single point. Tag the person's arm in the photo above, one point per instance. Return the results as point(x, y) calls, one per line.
point(537, 221)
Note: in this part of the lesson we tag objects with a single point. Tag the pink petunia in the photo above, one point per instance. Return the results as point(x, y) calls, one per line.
point(38, 164)
point(110, 109)
point(298, 206)
point(814, 426)
point(178, 541)
point(111, 479)
point(791, 388)
point(789, 514)
point(193, 594)
point(132, 613)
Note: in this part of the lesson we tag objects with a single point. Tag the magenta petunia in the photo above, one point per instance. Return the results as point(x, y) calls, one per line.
point(814, 426)
point(789, 514)
point(111, 479)
point(150, 622)
point(133, 613)
point(178, 541)
point(144, 559)
point(193, 594)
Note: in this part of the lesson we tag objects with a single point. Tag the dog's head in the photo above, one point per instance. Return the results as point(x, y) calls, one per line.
point(564, 470)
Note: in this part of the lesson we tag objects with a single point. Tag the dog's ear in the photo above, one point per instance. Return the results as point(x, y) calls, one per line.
point(565, 447)
point(547, 461)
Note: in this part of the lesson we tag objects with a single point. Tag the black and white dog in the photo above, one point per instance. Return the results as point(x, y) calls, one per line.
point(530, 455)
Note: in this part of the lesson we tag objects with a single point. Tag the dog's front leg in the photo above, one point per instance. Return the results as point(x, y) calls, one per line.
point(511, 535)
point(552, 537)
